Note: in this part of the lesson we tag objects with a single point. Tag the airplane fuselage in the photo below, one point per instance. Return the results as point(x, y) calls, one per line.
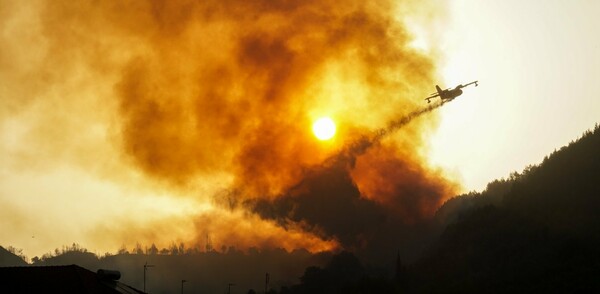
point(451, 94)
point(448, 94)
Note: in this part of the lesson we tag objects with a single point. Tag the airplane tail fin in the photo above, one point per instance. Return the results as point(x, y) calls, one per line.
point(438, 89)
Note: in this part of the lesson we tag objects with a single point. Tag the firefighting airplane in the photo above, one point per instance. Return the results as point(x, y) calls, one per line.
point(448, 94)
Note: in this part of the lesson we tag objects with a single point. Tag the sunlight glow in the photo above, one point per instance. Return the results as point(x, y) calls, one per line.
point(324, 128)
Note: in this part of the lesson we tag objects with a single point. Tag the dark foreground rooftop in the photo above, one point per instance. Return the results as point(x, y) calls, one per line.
point(60, 279)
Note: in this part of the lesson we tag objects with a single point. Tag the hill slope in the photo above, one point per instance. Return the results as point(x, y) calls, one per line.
point(536, 231)
point(8, 258)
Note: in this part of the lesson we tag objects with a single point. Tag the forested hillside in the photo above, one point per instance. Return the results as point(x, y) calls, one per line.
point(538, 231)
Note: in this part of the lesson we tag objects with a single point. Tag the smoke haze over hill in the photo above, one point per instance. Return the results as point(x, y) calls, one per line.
point(161, 121)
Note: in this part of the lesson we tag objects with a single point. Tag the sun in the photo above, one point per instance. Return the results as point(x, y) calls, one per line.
point(324, 128)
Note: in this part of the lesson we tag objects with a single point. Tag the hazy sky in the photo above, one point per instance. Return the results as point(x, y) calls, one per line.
point(88, 123)
point(538, 63)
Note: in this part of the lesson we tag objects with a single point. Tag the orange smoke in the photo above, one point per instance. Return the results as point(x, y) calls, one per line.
point(187, 91)
point(245, 230)
point(217, 228)
point(230, 86)
point(401, 185)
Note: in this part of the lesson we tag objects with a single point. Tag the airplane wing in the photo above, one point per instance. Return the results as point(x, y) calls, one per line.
point(432, 96)
point(471, 83)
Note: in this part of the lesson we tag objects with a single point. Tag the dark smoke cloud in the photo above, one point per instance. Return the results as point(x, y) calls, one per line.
point(224, 92)
point(236, 98)
point(380, 212)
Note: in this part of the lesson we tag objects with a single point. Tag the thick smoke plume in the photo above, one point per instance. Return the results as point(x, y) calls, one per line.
point(383, 214)
point(231, 86)
point(212, 98)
